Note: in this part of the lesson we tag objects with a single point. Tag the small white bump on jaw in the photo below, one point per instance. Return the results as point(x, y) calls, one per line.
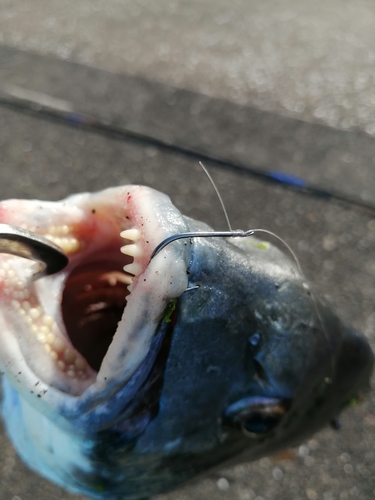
point(42, 326)
point(41, 337)
point(59, 344)
point(62, 230)
point(68, 244)
point(61, 365)
point(62, 237)
point(44, 329)
point(26, 305)
point(29, 320)
point(47, 320)
point(79, 363)
point(131, 234)
point(51, 339)
point(69, 355)
point(35, 313)
point(133, 268)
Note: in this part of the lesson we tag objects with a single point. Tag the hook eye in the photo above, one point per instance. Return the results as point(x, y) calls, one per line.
point(18, 241)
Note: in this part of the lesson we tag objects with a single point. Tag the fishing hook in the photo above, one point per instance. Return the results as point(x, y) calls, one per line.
point(239, 233)
point(18, 241)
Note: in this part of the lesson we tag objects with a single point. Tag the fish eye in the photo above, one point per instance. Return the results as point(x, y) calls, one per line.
point(256, 414)
point(260, 424)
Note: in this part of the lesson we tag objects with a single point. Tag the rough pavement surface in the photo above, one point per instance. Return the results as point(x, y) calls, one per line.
point(238, 63)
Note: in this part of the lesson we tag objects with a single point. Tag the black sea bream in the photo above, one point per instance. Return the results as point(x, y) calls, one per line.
point(123, 383)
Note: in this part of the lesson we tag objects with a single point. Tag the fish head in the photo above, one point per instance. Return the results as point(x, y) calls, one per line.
point(166, 366)
point(262, 360)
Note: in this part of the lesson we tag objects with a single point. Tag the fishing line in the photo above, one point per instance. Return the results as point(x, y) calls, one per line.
point(239, 233)
point(217, 192)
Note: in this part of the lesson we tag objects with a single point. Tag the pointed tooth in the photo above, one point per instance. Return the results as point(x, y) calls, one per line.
point(127, 279)
point(131, 234)
point(132, 250)
point(133, 269)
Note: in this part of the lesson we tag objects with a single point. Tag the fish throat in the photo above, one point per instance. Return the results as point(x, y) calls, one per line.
point(93, 303)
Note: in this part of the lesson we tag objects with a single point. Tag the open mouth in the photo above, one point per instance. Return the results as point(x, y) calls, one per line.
point(94, 321)
point(93, 303)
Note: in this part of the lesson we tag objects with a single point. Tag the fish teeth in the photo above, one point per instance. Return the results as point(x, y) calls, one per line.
point(127, 279)
point(131, 234)
point(133, 268)
point(132, 250)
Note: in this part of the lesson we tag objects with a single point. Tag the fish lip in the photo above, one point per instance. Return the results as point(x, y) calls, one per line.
point(147, 302)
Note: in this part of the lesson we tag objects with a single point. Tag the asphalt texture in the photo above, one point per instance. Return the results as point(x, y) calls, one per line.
point(46, 157)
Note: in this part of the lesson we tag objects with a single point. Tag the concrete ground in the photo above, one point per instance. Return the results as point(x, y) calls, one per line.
point(286, 86)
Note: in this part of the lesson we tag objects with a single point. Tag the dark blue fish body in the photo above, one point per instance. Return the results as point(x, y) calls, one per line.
point(248, 360)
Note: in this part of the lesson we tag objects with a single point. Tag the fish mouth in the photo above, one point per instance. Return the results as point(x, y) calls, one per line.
point(92, 324)
point(93, 302)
